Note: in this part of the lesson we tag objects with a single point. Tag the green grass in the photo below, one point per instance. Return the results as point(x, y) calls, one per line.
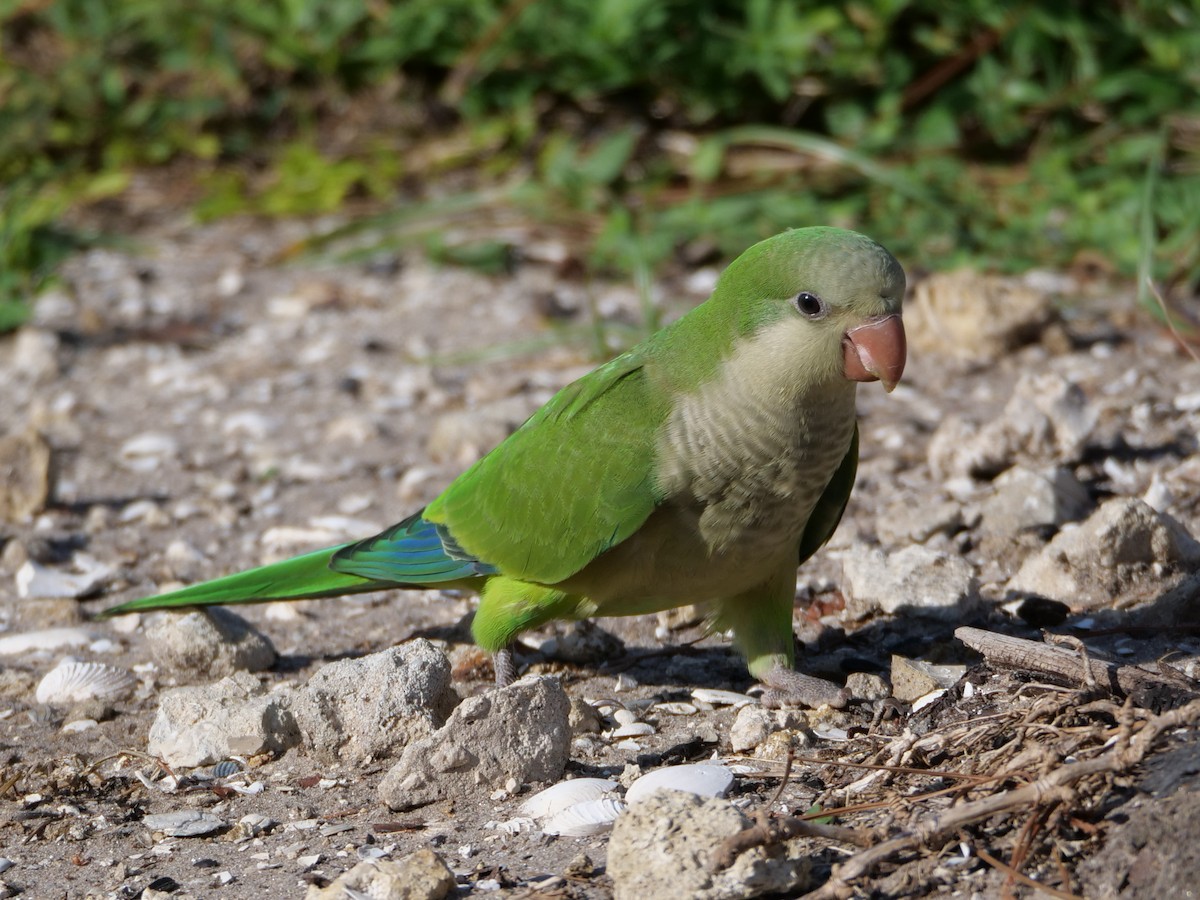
point(1004, 135)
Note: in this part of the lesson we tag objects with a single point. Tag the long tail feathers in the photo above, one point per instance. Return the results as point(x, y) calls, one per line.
point(305, 577)
point(415, 553)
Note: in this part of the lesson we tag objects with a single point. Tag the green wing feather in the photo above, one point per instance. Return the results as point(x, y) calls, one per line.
point(826, 515)
point(573, 481)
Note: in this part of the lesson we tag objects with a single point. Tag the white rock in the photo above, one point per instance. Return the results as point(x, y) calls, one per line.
point(200, 726)
point(914, 579)
point(1121, 549)
point(360, 710)
point(146, 452)
point(665, 849)
point(1023, 499)
point(520, 732)
point(419, 876)
point(1047, 420)
point(208, 642)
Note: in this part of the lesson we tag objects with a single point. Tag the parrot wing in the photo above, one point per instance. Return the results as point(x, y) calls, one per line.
point(576, 479)
point(826, 515)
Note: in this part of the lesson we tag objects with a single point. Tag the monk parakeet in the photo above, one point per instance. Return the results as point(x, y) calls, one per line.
point(701, 467)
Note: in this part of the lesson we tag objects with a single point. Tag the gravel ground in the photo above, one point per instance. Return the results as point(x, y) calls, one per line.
point(191, 406)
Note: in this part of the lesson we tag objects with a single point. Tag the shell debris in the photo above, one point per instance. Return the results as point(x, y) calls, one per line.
point(72, 682)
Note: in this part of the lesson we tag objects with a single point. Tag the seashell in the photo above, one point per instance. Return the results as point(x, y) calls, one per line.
point(225, 768)
point(556, 798)
point(45, 639)
point(721, 698)
point(71, 682)
point(79, 725)
point(624, 716)
point(583, 819)
point(932, 697)
point(705, 779)
point(633, 729)
point(34, 580)
point(675, 708)
point(831, 733)
point(184, 823)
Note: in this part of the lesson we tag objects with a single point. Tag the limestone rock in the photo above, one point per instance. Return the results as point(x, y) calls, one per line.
point(663, 849)
point(1125, 548)
point(199, 726)
point(520, 732)
point(1024, 499)
point(25, 475)
point(359, 710)
point(1047, 420)
point(208, 642)
point(419, 876)
point(974, 316)
point(914, 579)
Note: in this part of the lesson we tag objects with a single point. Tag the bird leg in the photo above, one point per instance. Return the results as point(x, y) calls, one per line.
point(505, 666)
point(787, 687)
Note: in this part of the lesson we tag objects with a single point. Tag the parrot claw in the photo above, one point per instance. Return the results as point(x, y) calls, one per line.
point(505, 666)
point(787, 687)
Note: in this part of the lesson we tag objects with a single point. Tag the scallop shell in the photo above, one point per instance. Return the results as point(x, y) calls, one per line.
point(586, 818)
point(556, 798)
point(71, 682)
point(705, 779)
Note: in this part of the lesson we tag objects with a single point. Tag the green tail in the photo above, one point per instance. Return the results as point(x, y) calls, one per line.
point(305, 577)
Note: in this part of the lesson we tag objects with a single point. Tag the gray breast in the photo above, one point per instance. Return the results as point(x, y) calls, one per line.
point(752, 460)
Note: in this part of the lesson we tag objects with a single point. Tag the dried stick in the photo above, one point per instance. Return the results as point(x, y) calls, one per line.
point(1018, 653)
point(1054, 787)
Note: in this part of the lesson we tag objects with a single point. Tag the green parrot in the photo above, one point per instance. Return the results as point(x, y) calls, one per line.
point(701, 467)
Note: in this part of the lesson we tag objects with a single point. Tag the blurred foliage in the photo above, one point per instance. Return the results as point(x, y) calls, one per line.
point(1007, 134)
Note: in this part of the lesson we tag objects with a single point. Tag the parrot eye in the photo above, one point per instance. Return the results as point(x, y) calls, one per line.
point(810, 305)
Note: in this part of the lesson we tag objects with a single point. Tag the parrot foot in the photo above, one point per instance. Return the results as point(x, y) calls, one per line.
point(787, 687)
point(505, 666)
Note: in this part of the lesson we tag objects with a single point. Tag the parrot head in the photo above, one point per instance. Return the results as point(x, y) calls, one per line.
point(834, 295)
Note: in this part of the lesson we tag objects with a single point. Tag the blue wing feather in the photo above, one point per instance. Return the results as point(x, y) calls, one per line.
point(414, 552)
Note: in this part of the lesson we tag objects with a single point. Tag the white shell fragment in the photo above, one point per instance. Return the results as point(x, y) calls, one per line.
point(721, 698)
point(583, 819)
point(633, 729)
point(565, 794)
point(676, 708)
point(705, 779)
point(932, 697)
point(72, 682)
point(45, 639)
point(184, 823)
point(35, 580)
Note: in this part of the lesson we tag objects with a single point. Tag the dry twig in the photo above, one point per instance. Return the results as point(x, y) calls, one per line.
point(1017, 653)
point(1056, 787)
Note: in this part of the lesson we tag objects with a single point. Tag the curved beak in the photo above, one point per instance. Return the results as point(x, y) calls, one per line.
point(875, 351)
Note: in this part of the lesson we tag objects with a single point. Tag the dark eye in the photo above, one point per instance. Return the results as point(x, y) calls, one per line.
point(810, 305)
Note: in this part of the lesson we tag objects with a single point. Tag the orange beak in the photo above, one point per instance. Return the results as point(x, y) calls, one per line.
point(875, 351)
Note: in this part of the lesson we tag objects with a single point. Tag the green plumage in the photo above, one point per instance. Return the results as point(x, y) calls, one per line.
point(701, 466)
